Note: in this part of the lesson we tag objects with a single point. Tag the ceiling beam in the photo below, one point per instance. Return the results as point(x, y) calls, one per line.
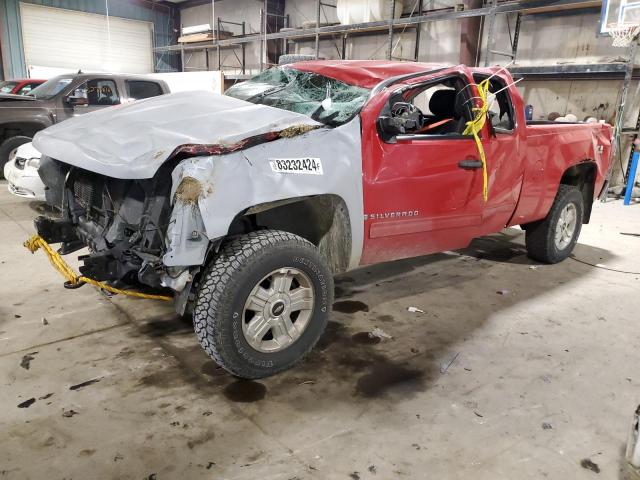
point(193, 3)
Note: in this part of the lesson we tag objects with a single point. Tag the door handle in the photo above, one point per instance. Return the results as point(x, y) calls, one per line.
point(470, 164)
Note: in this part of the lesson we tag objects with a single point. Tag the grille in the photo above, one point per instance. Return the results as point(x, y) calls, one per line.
point(87, 190)
point(84, 192)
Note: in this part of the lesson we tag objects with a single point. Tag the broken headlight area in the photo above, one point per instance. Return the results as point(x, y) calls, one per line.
point(122, 222)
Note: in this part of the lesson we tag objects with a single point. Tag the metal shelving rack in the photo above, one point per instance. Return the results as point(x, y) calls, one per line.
point(391, 26)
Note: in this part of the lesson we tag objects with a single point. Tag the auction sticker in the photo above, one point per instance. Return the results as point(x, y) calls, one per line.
point(307, 165)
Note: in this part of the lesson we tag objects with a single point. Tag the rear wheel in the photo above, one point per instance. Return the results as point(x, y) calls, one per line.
point(552, 240)
point(263, 303)
point(8, 150)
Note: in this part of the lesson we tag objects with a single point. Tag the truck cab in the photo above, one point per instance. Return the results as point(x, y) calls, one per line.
point(63, 97)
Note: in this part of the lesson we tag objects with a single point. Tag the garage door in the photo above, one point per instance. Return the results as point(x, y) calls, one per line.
point(54, 37)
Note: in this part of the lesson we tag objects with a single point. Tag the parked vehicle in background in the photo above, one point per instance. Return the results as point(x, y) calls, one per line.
point(63, 97)
point(21, 172)
point(247, 204)
point(19, 86)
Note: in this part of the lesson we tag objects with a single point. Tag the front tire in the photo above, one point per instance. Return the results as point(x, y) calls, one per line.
point(552, 240)
point(8, 147)
point(263, 303)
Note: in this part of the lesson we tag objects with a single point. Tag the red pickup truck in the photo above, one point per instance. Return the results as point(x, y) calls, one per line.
point(245, 205)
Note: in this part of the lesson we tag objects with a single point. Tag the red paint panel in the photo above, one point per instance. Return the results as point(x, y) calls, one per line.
point(420, 176)
point(363, 73)
point(418, 225)
point(416, 199)
point(551, 150)
point(23, 82)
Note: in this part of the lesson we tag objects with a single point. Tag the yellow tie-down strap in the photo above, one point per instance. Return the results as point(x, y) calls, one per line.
point(36, 242)
point(473, 128)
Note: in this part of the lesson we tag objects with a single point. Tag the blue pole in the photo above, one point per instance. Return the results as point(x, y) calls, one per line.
point(632, 177)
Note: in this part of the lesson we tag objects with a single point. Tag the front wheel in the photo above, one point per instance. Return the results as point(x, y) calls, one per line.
point(8, 150)
point(552, 240)
point(263, 303)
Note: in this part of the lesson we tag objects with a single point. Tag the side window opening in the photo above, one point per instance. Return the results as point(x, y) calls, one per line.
point(439, 108)
point(99, 92)
point(501, 111)
point(138, 89)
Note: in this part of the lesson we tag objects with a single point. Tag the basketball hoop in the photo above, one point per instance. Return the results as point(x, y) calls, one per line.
point(623, 33)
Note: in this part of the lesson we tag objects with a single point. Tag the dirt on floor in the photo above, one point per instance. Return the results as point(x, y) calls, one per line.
point(488, 366)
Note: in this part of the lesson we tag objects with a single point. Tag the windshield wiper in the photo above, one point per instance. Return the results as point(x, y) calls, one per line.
point(269, 91)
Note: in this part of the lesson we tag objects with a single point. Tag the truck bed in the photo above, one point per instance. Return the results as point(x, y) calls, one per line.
point(551, 148)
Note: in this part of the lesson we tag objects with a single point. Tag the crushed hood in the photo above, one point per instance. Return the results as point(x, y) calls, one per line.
point(132, 141)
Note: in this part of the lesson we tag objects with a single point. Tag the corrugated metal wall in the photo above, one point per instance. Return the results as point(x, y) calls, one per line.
point(146, 10)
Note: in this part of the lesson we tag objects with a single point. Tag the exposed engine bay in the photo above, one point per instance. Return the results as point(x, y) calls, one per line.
point(122, 222)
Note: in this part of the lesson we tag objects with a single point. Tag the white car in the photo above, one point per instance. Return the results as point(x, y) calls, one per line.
point(21, 171)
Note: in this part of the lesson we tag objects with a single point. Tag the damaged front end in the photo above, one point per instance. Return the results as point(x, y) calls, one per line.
point(123, 223)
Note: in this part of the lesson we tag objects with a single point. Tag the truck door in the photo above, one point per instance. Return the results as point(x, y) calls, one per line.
point(504, 159)
point(423, 188)
point(93, 95)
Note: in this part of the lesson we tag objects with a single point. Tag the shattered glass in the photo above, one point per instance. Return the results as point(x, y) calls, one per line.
point(303, 92)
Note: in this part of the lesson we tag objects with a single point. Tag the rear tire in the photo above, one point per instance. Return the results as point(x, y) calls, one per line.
point(7, 147)
point(552, 240)
point(263, 303)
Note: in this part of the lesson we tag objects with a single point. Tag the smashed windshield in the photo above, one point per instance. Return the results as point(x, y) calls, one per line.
point(50, 88)
point(322, 98)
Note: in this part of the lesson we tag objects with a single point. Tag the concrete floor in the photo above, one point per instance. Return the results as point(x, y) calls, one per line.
point(529, 383)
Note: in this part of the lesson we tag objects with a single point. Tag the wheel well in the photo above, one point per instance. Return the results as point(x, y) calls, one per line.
point(583, 176)
point(321, 219)
point(9, 130)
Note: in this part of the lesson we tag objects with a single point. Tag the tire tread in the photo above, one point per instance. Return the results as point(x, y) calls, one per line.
point(539, 236)
point(236, 255)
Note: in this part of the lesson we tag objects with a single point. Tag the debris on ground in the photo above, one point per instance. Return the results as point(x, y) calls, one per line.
point(415, 310)
point(478, 414)
point(355, 475)
point(444, 368)
point(379, 333)
point(69, 413)
point(533, 267)
point(589, 465)
point(503, 292)
point(26, 360)
point(44, 397)
point(17, 316)
point(45, 321)
point(84, 384)
point(27, 403)
point(372, 469)
point(307, 382)
point(546, 426)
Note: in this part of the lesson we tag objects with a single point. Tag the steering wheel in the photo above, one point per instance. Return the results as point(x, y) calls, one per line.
point(409, 115)
point(404, 109)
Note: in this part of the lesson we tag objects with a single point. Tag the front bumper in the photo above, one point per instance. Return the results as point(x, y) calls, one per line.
point(25, 182)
